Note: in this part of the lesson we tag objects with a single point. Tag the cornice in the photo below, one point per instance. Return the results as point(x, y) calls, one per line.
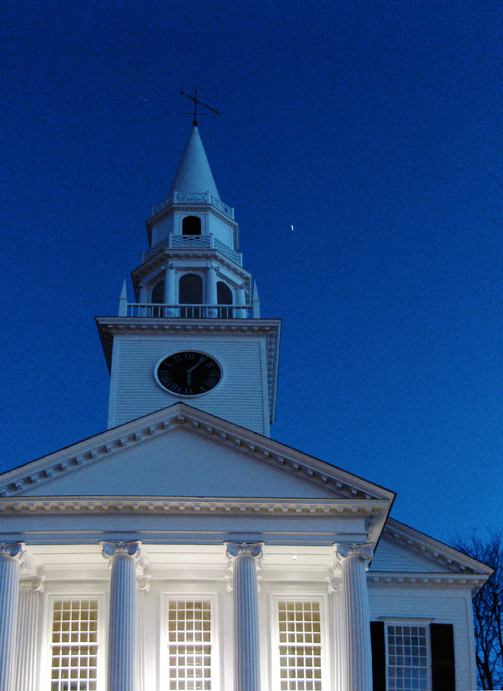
point(427, 580)
point(310, 470)
point(72, 505)
point(156, 262)
point(437, 552)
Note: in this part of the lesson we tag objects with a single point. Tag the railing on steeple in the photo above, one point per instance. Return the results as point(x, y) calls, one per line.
point(194, 242)
point(188, 311)
point(162, 311)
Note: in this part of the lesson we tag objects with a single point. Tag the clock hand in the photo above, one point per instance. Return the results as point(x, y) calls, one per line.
point(191, 369)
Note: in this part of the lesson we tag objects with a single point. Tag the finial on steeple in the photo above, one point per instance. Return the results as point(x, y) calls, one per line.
point(196, 101)
point(255, 302)
point(123, 301)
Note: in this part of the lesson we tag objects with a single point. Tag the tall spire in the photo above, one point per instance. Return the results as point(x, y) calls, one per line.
point(194, 173)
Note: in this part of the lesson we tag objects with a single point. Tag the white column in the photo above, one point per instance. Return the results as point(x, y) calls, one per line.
point(122, 625)
point(337, 661)
point(240, 300)
point(211, 290)
point(170, 289)
point(143, 587)
point(28, 622)
point(11, 557)
point(245, 558)
point(144, 299)
point(357, 671)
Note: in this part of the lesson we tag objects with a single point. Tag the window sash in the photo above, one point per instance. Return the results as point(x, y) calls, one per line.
point(300, 634)
point(189, 643)
point(408, 657)
point(74, 644)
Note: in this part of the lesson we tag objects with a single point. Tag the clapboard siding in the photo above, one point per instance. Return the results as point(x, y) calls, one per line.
point(440, 606)
point(391, 557)
point(241, 396)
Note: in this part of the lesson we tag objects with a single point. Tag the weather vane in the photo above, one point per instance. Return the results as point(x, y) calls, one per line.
point(196, 101)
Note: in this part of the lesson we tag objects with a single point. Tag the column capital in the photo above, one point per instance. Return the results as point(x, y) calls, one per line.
point(14, 550)
point(34, 583)
point(363, 552)
point(248, 549)
point(128, 549)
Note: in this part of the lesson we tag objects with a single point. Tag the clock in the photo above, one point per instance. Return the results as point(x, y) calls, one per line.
point(189, 373)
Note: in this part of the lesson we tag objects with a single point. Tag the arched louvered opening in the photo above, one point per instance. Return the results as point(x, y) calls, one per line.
point(191, 293)
point(191, 225)
point(224, 297)
point(157, 298)
point(158, 293)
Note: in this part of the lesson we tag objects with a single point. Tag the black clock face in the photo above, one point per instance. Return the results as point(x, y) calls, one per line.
point(188, 373)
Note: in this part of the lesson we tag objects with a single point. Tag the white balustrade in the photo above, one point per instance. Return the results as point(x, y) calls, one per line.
point(192, 311)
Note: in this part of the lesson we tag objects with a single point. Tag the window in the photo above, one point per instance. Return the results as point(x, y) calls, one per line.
point(74, 664)
point(407, 656)
point(300, 664)
point(412, 655)
point(191, 225)
point(189, 645)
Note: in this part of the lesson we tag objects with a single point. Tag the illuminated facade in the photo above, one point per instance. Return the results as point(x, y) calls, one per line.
point(183, 548)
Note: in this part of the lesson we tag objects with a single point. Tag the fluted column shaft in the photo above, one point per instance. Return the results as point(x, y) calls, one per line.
point(27, 638)
point(122, 625)
point(246, 630)
point(339, 650)
point(11, 556)
point(357, 670)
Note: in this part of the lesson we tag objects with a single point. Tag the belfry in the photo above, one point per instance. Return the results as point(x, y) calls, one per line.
point(193, 299)
point(183, 548)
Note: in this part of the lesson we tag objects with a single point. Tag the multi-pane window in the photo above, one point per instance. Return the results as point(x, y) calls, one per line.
point(299, 645)
point(407, 658)
point(189, 645)
point(74, 665)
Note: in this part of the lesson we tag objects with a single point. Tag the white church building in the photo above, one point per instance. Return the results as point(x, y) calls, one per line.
point(183, 549)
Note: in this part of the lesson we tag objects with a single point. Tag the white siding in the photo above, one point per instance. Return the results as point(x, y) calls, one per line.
point(391, 557)
point(241, 396)
point(440, 606)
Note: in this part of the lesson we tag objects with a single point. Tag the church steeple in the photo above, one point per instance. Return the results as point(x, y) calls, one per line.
point(194, 172)
point(194, 331)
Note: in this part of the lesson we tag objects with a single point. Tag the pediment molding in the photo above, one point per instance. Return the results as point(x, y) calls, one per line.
point(427, 580)
point(191, 506)
point(180, 416)
point(435, 551)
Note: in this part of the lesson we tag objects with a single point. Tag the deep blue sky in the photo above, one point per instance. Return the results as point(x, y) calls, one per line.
point(375, 129)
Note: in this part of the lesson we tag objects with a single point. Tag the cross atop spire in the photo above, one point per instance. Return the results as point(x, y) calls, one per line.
point(196, 101)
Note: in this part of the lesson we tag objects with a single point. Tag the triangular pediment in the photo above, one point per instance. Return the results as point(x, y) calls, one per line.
point(403, 550)
point(178, 452)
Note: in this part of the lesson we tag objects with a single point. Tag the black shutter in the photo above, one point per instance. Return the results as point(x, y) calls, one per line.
point(443, 675)
point(378, 655)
